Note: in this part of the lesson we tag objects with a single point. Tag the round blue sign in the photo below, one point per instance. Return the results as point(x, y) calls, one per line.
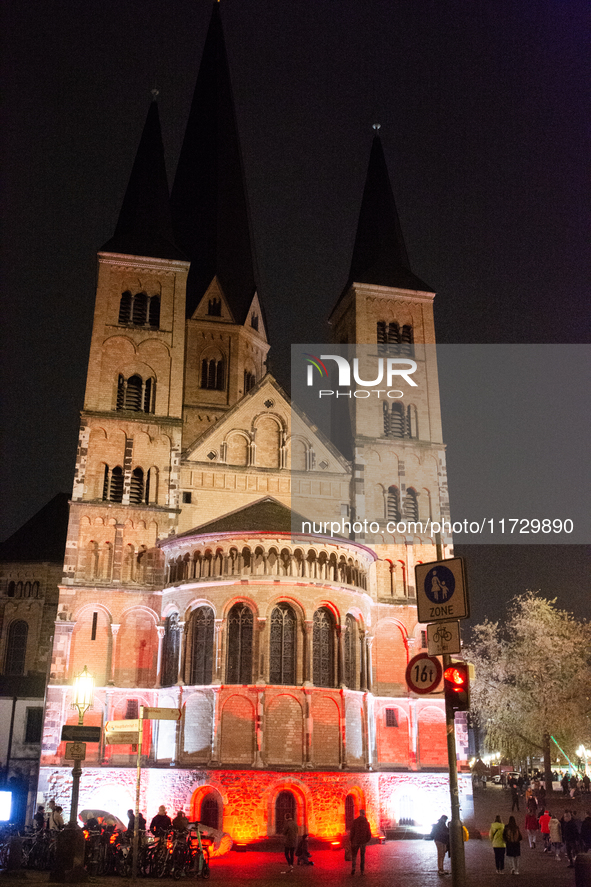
point(439, 584)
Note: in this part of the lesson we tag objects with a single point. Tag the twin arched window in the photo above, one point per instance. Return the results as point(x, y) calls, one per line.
point(136, 394)
point(113, 484)
point(411, 505)
point(143, 489)
point(212, 373)
point(393, 339)
point(139, 309)
point(249, 381)
point(18, 589)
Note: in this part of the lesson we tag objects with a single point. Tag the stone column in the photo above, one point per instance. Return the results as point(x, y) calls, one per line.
point(307, 657)
point(261, 666)
point(114, 632)
point(341, 655)
point(369, 645)
point(161, 629)
point(182, 648)
point(363, 662)
point(218, 641)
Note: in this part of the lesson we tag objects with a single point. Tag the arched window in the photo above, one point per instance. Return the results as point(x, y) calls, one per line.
point(136, 395)
point(406, 341)
point(113, 484)
point(393, 504)
point(201, 631)
point(388, 337)
point(323, 643)
point(239, 664)
point(133, 394)
point(35, 589)
point(282, 650)
point(152, 486)
point(125, 307)
point(285, 806)
point(214, 307)
point(154, 312)
point(411, 505)
point(349, 811)
point(170, 651)
point(212, 373)
point(139, 313)
point(16, 648)
point(249, 381)
point(209, 813)
point(27, 589)
point(11, 589)
point(254, 321)
point(351, 653)
point(136, 489)
point(395, 423)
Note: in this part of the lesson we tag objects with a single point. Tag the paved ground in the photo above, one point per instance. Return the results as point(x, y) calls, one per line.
point(410, 863)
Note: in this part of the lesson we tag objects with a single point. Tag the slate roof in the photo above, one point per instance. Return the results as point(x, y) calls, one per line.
point(208, 199)
point(144, 227)
point(379, 255)
point(42, 538)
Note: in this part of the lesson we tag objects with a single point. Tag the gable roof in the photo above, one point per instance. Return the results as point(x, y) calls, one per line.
point(266, 516)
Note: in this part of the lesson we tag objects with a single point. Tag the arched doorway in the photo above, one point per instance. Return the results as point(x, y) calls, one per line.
point(209, 813)
point(349, 811)
point(285, 806)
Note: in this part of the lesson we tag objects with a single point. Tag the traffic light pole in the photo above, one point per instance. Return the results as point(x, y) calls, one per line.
point(456, 830)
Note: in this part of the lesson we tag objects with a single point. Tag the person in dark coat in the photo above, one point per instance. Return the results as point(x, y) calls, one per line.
point(514, 797)
point(360, 837)
point(513, 838)
point(161, 821)
point(440, 834)
point(570, 836)
point(586, 832)
point(290, 832)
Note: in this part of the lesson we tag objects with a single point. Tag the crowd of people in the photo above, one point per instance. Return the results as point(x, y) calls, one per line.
point(562, 837)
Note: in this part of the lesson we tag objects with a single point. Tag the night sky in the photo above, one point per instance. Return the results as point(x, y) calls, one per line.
point(482, 107)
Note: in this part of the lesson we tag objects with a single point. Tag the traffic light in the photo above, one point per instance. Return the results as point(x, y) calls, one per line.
point(456, 682)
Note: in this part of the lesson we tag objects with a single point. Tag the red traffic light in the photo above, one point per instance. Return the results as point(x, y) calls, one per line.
point(456, 683)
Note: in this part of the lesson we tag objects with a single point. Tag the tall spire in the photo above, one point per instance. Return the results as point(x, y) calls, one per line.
point(144, 227)
point(379, 254)
point(208, 200)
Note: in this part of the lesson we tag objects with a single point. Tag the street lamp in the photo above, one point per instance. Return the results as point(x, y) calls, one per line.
point(83, 693)
point(83, 696)
point(584, 753)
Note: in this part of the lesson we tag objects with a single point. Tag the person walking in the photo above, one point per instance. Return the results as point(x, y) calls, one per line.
point(544, 822)
point(290, 833)
point(498, 843)
point(513, 838)
point(570, 837)
point(585, 835)
point(360, 836)
point(514, 797)
point(531, 827)
point(440, 834)
point(555, 836)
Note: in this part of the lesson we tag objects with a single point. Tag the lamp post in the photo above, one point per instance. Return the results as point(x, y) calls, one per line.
point(83, 696)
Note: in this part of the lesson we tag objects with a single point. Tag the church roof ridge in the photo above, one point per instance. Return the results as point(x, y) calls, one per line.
point(144, 226)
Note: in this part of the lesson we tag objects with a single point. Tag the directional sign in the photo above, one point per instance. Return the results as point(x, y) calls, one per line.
point(74, 733)
point(423, 674)
point(443, 637)
point(75, 751)
point(122, 738)
point(131, 726)
point(442, 593)
point(162, 714)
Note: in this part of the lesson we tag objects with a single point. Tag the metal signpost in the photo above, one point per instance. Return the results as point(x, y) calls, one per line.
point(442, 596)
point(132, 733)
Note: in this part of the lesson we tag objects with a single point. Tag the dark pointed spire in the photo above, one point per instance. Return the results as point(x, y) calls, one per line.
point(145, 224)
point(379, 254)
point(208, 200)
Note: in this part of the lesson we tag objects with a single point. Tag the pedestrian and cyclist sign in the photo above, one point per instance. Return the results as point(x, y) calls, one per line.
point(442, 593)
point(423, 674)
point(443, 637)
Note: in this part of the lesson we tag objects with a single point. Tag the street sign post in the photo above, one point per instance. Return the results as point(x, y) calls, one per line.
point(442, 592)
point(162, 714)
point(131, 726)
point(443, 637)
point(75, 751)
point(122, 738)
point(75, 733)
point(423, 674)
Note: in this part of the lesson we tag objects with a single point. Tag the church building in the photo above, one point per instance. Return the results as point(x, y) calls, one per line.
point(185, 584)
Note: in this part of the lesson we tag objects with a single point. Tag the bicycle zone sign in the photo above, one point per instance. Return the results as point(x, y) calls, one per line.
point(423, 673)
point(443, 637)
point(442, 592)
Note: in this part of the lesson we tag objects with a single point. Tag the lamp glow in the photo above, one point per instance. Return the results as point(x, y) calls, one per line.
point(83, 693)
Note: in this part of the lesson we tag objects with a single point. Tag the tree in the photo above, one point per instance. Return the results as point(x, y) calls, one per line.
point(532, 679)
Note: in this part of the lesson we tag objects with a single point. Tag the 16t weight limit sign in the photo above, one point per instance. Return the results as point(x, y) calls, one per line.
point(423, 673)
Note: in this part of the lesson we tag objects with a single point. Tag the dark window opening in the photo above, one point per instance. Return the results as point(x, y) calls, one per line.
point(323, 642)
point(210, 811)
point(154, 312)
point(93, 629)
point(282, 652)
point(240, 629)
point(249, 381)
point(125, 307)
point(132, 709)
point(140, 309)
point(285, 806)
point(11, 589)
point(391, 718)
point(202, 625)
point(16, 648)
point(350, 677)
point(411, 505)
point(34, 725)
point(212, 374)
point(170, 653)
point(186, 498)
point(214, 307)
point(393, 504)
point(349, 812)
point(254, 321)
point(136, 489)
point(113, 484)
